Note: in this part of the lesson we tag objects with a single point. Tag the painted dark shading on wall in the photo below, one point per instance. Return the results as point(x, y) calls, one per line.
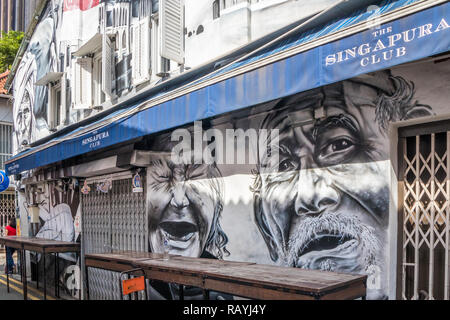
point(325, 204)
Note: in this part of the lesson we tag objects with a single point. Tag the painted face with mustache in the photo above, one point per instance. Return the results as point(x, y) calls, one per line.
point(184, 200)
point(324, 203)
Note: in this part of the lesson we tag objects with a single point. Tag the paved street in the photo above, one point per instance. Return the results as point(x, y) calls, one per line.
point(15, 292)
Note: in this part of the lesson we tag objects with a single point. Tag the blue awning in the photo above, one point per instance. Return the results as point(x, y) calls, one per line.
point(310, 64)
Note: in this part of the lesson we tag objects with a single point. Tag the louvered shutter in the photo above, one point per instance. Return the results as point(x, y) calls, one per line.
point(141, 51)
point(108, 64)
point(135, 54)
point(50, 106)
point(82, 83)
point(172, 30)
point(63, 97)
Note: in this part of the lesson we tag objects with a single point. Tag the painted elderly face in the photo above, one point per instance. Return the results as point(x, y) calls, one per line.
point(325, 200)
point(23, 118)
point(182, 202)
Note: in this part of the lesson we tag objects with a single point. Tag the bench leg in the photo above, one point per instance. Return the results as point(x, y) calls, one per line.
point(87, 282)
point(45, 277)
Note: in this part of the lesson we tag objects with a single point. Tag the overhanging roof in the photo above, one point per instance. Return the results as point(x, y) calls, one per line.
point(90, 46)
point(49, 77)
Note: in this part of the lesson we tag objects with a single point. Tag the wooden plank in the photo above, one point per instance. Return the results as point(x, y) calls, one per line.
point(107, 265)
point(189, 265)
point(38, 244)
point(125, 256)
point(187, 279)
point(285, 277)
point(350, 292)
point(253, 292)
point(49, 249)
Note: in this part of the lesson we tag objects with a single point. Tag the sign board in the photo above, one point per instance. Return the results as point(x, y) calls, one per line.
point(133, 285)
point(4, 181)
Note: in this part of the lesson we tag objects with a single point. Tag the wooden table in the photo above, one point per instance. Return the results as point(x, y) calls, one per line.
point(39, 245)
point(244, 279)
point(266, 282)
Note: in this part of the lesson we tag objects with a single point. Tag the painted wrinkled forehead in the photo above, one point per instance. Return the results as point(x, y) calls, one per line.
point(162, 146)
point(346, 97)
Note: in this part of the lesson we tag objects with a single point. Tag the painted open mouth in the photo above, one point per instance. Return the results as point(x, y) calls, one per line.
point(324, 241)
point(178, 230)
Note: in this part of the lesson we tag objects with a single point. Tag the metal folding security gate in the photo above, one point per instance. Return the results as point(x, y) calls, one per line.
point(7, 210)
point(424, 211)
point(113, 220)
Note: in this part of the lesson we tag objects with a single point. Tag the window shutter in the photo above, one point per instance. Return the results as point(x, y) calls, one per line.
point(172, 30)
point(135, 54)
point(108, 62)
point(63, 97)
point(82, 83)
point(50, 106)
point(141, 51)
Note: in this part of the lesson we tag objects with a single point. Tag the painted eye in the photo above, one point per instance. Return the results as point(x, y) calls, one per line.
point(341, 144)
point(286, 165)
point(337, 151)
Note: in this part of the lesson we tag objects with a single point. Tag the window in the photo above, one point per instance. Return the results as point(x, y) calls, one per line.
point(141, 51)
point(56, 96)
point(216, 9)
point(6, 131)
point(56, 104)
point(82, 83)
point(93, 73)
point(171, 23)
point(98, 95)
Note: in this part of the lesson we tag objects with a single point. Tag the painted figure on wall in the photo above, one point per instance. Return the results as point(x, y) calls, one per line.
point(30, 103)
point(24, 102)
point(57, 210)
point(325, 203)
point(185, 203)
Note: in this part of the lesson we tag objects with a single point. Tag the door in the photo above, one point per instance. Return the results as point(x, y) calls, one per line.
point(113, 218)
point(424, 166)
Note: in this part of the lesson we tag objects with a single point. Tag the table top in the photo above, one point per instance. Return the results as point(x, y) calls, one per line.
point(37, 242)
point(286, 277)
point(314, 281)
point(123, 256)
point(199, 266)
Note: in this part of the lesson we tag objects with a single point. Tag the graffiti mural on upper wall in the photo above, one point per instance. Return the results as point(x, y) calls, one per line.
point(30, 101)
point(63, 27)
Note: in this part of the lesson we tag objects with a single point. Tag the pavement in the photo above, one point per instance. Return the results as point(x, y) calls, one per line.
point(15, 285)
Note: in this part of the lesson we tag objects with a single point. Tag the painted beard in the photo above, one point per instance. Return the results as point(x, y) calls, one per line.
point(332, 242)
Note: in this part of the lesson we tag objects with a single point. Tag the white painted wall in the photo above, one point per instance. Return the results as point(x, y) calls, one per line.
point(240, 22)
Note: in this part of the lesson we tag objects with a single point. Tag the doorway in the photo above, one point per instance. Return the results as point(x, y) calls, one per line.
point(424, 210)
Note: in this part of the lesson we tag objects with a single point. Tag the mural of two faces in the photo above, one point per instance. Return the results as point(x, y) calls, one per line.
point(323, 204)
